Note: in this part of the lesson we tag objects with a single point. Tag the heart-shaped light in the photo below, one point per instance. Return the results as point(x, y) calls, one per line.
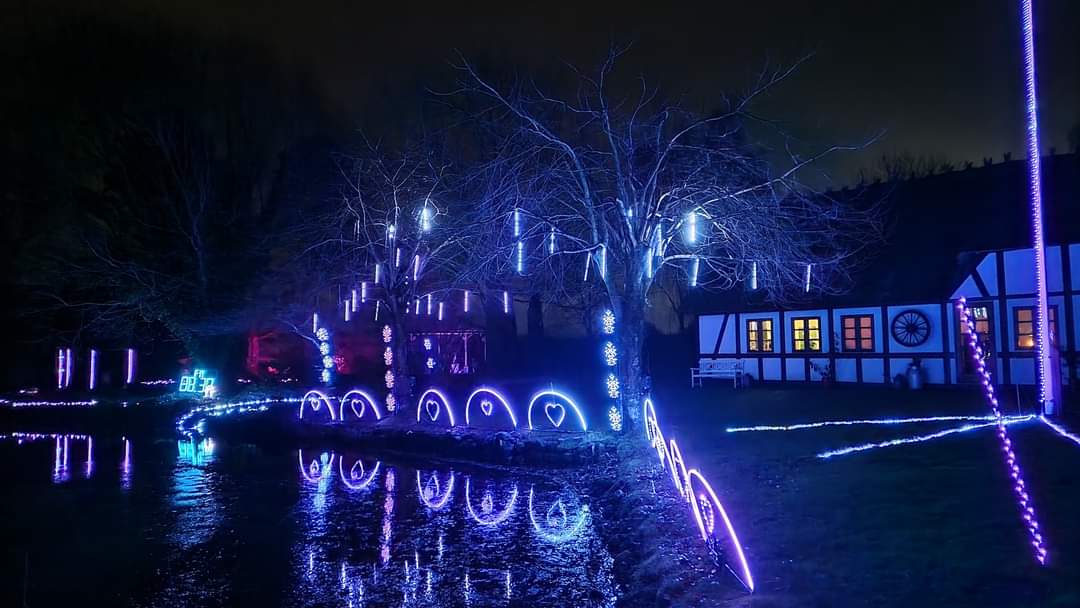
point(556, 515)
point(359, 410)
point(707, 516)
point(353, 473)
point(486, 406)
point(432, 408)
point(555, 413)
point(431, 488)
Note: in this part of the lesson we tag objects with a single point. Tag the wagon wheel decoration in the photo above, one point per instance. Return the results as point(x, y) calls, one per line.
point(911, 328)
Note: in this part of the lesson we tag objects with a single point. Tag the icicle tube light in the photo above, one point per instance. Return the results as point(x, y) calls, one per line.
point(695, 267)
point(521, 257)
point(129, 370)
point(92, 383)
point(506, 302)
point(1027, 511)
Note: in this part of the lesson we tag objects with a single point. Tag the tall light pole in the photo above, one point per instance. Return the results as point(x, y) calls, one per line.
point(1047, 386)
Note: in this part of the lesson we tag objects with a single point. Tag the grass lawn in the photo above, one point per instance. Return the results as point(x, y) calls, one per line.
point(927, 524)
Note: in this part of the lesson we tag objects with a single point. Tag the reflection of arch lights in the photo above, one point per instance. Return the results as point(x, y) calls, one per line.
point(559, 537)
point(746, 578)
point(363, 483)
point(435, 505)
point(318, 399)
point(442, 397)
point(500, 516)
point(351, 398)
point(564, 397)
point(502, 400)
point(324, 467)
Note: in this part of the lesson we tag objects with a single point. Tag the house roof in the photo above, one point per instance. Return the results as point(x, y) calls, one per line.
point(940, 227)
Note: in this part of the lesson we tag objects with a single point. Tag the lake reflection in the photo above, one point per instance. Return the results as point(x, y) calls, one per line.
point(200, 523)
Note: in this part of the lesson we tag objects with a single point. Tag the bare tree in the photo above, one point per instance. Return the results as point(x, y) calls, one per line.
point(606, 191)
point(396, 231)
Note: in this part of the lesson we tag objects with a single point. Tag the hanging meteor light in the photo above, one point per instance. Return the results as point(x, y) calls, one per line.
point(806, 287)
point(695, 267)
point(517, 223)
point(506, 302)
point(603, 261)
point(416, 267)
point(691, 228)
point(521, 257)
point(753, 276)
point(363, 292)
point(425, 218)
point(551, 241)
point(466, 300)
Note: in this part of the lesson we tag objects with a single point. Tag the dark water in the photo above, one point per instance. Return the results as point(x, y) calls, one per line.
point(162, 523)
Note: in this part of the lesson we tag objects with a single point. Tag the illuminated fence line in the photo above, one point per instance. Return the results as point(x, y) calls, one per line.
point(919, 438)
point(200, 413)
point(49, 403)
point(879, 421)
point(1019, 487)
point(695, 489)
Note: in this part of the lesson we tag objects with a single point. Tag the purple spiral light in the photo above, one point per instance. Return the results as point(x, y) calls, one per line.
point(1027, 511)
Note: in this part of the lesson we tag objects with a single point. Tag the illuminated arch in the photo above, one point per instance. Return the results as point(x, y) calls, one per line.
point(568, 531)
point(364, 481)
point(354, 396)
point(435, 499)
point(486, 407)
point(316, 471)
point(434, 413)
point(488, 519)
point(552, 412)
point(678, 469)
point(649, 416)
point(316, 400)
point(706, 522)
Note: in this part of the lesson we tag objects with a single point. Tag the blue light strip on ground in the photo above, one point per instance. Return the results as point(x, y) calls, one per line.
point(920, 438)
point(879, 421)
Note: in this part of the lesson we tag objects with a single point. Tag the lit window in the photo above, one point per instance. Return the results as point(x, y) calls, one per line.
point(759, 335)
point(1024, 319)
point(806, 334)
point(858, 333)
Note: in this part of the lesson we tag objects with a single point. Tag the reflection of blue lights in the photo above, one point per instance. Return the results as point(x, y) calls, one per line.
point(558, 528)
point(490, 517)
point(356, 471)
point(431, 493)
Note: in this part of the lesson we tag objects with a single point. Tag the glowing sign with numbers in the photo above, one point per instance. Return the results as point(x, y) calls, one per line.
point(197, 382)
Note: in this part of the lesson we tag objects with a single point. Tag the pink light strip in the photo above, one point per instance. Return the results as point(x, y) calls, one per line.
point(1019, 487)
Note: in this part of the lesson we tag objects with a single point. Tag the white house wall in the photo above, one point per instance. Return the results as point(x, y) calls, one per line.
point(1001, 281)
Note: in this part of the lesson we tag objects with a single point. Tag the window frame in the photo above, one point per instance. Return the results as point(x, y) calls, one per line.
point(806, 340)
point(759, 331)
point(858, 337)
point(1051, 312)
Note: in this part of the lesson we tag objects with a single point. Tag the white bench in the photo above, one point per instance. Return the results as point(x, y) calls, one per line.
point(710, 368)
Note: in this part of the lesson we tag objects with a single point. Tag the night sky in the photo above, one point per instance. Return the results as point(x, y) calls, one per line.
point(936, 78)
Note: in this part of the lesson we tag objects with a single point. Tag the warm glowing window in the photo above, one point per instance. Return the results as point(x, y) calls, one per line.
point(858, 333)
point(806, 334)
point(1024, 318)
point(981, 316)
point(759, 335)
